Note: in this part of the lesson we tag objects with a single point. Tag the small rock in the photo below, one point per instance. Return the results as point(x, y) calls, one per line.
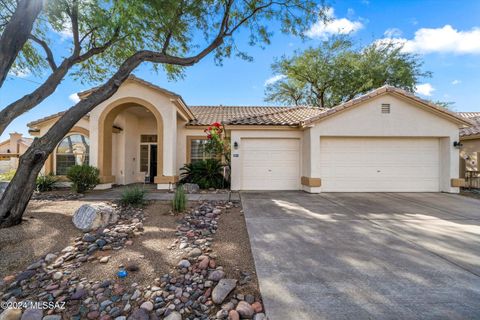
point(11, 314)
point(245, 310)
point(139, 314)
point(52, 317)
point(204, 263)
point(195, 252)
point(147, 305)
point(104, 259)
point(32, 314)
point(173, 316)
point(216, 275)
point(184, 264)
point(57, 275)
point(257, 307)
point(260, 316)
point(223, 289)
point(50, 257)
point(233, 315)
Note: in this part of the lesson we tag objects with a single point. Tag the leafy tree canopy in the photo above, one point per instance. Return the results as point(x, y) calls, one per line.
point(336, 72)
point(123, 27)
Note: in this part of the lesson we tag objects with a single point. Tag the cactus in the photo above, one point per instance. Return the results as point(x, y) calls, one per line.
point(180, 199)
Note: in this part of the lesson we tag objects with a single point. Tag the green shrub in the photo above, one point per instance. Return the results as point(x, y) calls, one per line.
point(7, 176)
point(83, 177)
point(45, 182)
point(179, 199)
point(134, 196)
point(207, 174)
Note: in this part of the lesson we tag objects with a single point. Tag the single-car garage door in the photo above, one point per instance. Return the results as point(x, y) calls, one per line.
point(270, 164)
point(379, 164)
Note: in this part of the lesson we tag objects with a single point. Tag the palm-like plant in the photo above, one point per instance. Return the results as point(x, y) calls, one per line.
point(206, 173)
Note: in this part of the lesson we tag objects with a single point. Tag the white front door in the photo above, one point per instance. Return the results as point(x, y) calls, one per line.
point(379, 164)
point(270, 164)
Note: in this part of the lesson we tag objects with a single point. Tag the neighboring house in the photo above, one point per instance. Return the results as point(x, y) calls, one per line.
point(386, 140)
point(470, 150)
point(11, 150)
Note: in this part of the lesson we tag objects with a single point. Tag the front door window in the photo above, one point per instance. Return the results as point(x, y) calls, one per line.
point(148, 156)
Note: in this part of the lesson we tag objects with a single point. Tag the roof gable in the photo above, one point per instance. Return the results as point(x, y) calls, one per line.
point(414, 100)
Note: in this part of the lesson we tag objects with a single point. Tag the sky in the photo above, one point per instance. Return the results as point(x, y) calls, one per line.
point(444, 33)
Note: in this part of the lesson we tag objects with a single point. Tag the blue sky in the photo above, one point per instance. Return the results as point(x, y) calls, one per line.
point(445, 33)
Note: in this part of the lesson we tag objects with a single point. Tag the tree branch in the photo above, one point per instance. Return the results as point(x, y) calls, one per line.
point(16, 33)
point(48, 52)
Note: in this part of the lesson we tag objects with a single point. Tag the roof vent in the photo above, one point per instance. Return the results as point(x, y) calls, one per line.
point(385, 107)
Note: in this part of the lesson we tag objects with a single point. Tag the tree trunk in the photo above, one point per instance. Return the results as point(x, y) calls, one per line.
point(19, 191)
point(16, 33)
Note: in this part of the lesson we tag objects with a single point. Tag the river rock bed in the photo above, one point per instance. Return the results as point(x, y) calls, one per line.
point(196, 289)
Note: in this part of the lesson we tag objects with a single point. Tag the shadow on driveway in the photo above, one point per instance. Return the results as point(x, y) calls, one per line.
point(366, 255)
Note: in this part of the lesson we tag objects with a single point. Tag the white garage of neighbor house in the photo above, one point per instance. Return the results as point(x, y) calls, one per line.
point(385, 141)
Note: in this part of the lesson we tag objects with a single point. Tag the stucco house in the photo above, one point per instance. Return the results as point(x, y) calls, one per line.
point(386, 140)
point(470, 149)
point(11, 149)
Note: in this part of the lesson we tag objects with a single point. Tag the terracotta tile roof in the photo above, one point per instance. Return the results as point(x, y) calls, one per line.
point(206, 115)
point(469, 115)
point(474, 117)
point(52, 116)
point(287, 117)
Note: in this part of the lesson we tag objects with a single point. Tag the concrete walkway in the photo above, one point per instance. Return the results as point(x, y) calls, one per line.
point(366, 256)
point(153, 194)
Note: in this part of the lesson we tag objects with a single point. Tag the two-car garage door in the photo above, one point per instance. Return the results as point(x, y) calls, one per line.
point(360, 164)
point(379, 164)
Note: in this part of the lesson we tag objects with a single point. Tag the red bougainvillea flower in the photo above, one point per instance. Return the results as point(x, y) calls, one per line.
point(216, 124)
point(209, 128)
point(209, 136)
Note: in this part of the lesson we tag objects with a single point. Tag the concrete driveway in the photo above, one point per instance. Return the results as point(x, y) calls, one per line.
point(366, 255)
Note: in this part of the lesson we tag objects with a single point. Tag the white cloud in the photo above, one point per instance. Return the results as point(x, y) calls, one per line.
point(274, 79)
point(425, 89)
point(324, 29)
point(20, 73)
point(74, 97)
point(455, 82)
point(393, 33)
point(442, 40)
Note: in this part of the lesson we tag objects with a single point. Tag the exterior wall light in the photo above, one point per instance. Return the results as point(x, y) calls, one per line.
point(457, 144)
point(235, 145)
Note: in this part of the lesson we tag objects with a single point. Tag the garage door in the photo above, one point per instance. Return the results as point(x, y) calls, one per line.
point(270, 164)
point(379, 164)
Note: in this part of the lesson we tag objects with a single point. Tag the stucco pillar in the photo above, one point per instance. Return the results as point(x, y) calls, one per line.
point(311, 175)
point(449, 164)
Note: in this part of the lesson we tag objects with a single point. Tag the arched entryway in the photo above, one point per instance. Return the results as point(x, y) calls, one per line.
point(128, 152)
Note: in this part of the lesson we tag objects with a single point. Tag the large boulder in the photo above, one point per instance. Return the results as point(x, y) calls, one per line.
point(191, 188)
point(93, 216)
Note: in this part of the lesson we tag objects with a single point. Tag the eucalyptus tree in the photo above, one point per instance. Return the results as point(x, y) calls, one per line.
point(337, 71)
point(109, 39)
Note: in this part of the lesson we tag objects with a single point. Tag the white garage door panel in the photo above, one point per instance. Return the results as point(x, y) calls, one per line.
point(270, 164)
point(379, 164)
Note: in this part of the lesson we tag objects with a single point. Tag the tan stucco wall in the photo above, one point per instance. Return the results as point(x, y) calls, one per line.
point(366, 120)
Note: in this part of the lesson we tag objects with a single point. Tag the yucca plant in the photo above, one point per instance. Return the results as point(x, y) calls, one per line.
point(206, 173)
point(180, 199)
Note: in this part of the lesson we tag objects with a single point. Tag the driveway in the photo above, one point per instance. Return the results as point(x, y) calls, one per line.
point(366, 255)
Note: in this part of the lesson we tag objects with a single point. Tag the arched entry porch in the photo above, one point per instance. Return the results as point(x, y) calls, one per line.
point(130, 142)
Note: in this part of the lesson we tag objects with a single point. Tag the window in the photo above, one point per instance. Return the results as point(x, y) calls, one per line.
point(197, 150)
point(73, 149)
point(148, 138)
point(144, 158)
